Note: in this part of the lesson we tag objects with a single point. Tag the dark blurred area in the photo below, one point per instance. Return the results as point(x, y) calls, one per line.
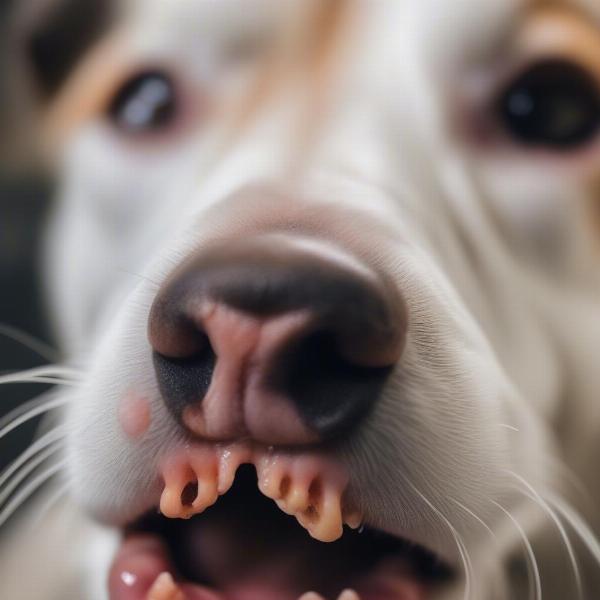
point(24, 200)
point(23, 205)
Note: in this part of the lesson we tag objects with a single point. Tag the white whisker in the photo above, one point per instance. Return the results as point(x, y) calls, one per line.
point(534, 569)
point(584, 532)
point(139, 276)
point(462, 548)
point(30, 342)
point(43, 442)
point(511, 427)
point(575, 483)
point(30, 414)
point(25, 407)
point(28, 490)
point(478, 519)
point(47, 374)
point(43, 380)
point(43, 510)
point(560, 527)
point(35, 462)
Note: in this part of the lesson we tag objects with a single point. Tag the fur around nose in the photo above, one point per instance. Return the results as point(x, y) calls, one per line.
point(283, 339)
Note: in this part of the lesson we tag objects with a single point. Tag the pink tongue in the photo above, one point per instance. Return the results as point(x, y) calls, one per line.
point(143, 558)
point(138, 564)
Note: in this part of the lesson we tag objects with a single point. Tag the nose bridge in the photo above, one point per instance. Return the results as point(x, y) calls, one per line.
point(279, 338)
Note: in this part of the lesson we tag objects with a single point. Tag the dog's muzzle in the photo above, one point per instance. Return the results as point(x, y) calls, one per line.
point(277, 338)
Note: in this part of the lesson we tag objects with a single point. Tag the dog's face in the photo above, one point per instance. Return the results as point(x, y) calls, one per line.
point(334, 240)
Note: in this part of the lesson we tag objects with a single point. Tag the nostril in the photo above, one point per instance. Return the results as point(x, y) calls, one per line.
point(331, 392)
point(184, 381)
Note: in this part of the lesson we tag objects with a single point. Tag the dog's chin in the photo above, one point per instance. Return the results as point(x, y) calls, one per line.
point(245, 548)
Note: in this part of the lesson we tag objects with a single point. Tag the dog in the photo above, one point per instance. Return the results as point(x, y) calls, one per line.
point(326, 277)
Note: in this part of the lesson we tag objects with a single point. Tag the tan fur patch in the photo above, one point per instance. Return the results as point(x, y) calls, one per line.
point(87, 92)
point(561, 31)
point(307, 51)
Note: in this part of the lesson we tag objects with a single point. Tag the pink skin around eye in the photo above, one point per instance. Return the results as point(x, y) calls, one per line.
point(134, 415)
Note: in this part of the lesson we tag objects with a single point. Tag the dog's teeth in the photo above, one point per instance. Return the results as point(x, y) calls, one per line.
point(323, 518)
point(354, 520)
point(297, 499)
point(309, 487)
point(171, 505)
point(165, 588)
point(190, 485)
point(207, 494)
point(271, 474)
point(349, 595)
point(230, 458)
point(311, 596)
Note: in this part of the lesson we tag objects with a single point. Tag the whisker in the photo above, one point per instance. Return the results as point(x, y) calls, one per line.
point(32, 413)
point(30, 342)
point(43, 380)
point(478, 519)
point(462, 548)
point(33, 464)
point(534, 569)
point(43, 510)
point(25, 407)
point(46, 374)
point(28, 491)
point(584, 532)
point(43, 442)
point(576, 484)
point(535, 496)
point(139, 276)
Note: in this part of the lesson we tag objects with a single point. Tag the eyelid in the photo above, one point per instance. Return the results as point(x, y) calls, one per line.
point(560, 32)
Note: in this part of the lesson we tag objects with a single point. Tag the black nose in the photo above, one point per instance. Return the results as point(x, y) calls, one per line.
point(286, 340)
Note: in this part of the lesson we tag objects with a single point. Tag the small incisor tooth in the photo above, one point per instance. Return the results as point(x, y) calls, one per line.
point(171, 505)
point(353, 520)
point(207, 494)
point(200, 478)
point(165, 588)
point(297, 500)
point(349, 595)
point(271, 476)
point(324, 521)
point(311, 596)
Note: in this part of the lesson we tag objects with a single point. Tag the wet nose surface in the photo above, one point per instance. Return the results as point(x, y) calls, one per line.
point(284, 340)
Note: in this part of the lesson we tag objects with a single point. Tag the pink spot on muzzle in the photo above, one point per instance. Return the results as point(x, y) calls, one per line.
point(134, 415)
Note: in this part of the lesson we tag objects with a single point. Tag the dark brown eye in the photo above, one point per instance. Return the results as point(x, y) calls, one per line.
point(147, 103)
point(555, 104)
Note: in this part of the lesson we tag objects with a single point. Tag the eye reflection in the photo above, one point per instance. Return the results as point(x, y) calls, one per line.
point(146, 103)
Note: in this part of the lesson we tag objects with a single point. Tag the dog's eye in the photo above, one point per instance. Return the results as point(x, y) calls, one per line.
point(554, 104)
point(146, 103)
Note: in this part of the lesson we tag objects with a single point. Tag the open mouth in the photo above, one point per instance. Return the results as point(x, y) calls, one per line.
point(243, 547)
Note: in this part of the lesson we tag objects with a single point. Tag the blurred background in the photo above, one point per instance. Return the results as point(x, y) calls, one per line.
point(24, 201)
